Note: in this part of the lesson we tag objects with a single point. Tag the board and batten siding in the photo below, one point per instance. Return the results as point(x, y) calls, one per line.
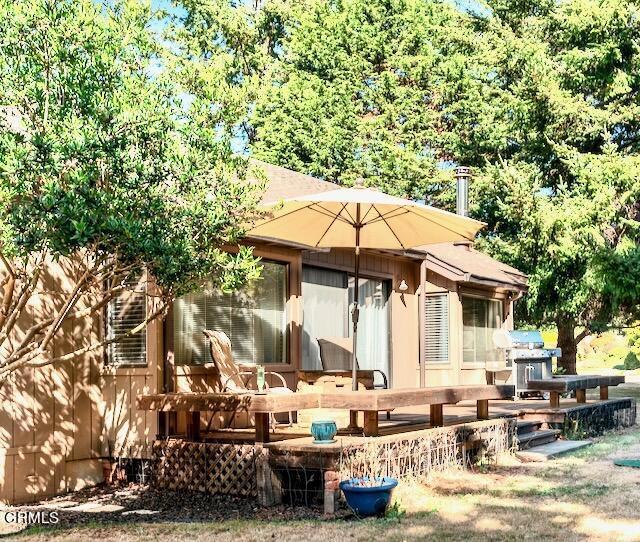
point(50, 417)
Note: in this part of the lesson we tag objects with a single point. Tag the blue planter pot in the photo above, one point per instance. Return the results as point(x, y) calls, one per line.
point(323, 431)
point(368, 501)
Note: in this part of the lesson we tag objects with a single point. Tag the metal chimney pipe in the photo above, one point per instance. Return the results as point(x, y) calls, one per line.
point(462, 174)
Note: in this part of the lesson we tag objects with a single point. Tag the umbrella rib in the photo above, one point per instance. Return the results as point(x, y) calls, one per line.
point(388, 214)
point(362, 220)
point(273, 219)
point(390, 228)
point(331, 214)
point(409, 210)
point(335, 217)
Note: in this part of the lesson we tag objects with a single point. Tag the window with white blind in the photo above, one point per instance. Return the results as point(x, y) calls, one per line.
point(480, 317)
point(125, 312)
point(254, 318)
point(436, 328)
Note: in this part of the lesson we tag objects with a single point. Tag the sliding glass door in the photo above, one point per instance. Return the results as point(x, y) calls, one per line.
point(327, 296)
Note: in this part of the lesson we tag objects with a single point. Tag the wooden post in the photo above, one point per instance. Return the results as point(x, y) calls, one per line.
point(370, 423)
point(267, 482)
point(262, 426)
point(554, 399)
point(436, 418)
point(581, 396)
point(604, 393)
point(331, 492)
point(483, 409)
point(193, 426)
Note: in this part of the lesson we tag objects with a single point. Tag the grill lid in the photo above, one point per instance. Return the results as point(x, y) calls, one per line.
point(517, 339)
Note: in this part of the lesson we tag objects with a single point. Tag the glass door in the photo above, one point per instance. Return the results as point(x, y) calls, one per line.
point(327, 297)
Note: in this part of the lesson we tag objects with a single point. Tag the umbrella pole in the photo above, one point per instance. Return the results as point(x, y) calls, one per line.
point(353, 414)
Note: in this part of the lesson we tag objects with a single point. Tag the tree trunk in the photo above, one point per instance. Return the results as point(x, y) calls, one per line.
point(568, 344)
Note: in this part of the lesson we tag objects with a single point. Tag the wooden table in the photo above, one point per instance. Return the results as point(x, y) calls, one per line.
point(260, 405)
point(563, 384)
point(373, 401)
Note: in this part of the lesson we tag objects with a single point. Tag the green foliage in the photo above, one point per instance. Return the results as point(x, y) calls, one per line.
point(395, 512)
point(631, 362)
point(561, 202)
point(115, 157)
point(106, 157)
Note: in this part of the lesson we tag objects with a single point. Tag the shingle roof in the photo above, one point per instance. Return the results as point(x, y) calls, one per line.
point(284, 183)
point(461, 262)
point(457, 261)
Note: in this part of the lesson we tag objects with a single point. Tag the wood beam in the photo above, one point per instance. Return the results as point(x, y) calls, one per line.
point(262, 427)
point(436, 417)
point(371, 423)
point(482, 409)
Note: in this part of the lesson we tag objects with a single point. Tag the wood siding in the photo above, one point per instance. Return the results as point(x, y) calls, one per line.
point(51, 417)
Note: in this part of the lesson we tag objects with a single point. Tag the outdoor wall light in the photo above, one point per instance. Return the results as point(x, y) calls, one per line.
point(403, 286)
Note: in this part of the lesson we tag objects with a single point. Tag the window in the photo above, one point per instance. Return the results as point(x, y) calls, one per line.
point(253, 318)
point(328, 296)
point(436, 328)
point(480, 316)
point(125, 312)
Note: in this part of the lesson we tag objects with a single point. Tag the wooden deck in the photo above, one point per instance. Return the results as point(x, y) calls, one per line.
point(371, 402)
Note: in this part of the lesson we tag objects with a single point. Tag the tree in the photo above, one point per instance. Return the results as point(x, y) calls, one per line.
point(347, 89)
point(562, 197)
point(540, 97)
point(107, 170)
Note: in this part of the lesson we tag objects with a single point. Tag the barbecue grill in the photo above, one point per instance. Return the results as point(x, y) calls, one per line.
point(525, 356)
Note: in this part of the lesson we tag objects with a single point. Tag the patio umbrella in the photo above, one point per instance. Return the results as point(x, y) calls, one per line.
point(358, 218)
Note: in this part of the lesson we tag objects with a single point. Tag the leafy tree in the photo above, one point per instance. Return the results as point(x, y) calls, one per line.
point(107, 169)
point(372, 89)
point(540, 96)
point(561, 198)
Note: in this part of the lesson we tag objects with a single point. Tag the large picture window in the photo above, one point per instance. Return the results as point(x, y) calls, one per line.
point(480, 317)
point(254, 318)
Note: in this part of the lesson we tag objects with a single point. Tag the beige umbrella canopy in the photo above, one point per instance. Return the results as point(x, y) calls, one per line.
point(335, 218)
point(362, 218)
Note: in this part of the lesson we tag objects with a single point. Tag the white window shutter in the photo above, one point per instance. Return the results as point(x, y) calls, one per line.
point(436, 328)
point(125, 312)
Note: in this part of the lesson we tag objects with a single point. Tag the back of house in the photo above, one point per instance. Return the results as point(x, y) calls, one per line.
point(427, 318)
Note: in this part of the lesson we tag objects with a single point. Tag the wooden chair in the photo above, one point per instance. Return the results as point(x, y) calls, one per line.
point(336, 354)
point(236, 378)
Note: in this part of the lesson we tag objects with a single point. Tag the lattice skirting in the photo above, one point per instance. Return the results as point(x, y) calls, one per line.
point(429, 451)
point(228, 469)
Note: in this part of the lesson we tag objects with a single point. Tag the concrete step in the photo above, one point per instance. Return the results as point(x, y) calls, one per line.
point(535, 438)
point(528, 426)
point(544, 452)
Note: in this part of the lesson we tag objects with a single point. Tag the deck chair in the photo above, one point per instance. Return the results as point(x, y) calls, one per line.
point(236, 378)
point(336, 355)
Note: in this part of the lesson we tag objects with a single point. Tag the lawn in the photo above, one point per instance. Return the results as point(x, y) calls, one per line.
point(578, 497)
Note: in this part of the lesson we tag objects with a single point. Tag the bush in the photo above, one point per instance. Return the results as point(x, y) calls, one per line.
point(631, 362)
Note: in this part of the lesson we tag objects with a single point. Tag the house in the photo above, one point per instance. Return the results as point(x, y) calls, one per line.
point(427, 317)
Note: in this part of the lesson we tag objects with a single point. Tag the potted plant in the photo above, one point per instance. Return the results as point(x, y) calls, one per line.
point(368, 496)
point(367, 490)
